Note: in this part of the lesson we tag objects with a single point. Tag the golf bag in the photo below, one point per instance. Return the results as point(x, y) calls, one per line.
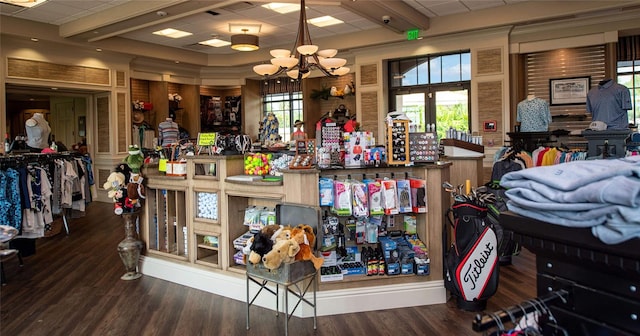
point(496, 202)
point(471, 263)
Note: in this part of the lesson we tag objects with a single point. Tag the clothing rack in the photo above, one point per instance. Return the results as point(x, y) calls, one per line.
point(513, 313)
point(24, 159)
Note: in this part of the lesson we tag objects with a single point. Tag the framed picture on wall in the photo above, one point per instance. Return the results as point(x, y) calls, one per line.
point(569, 91)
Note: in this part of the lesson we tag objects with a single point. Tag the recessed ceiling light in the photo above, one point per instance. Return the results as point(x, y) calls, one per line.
point(215, 42)
point(24, 3)
point(173, 33)
point(282, 8)
point(245, 28)
point(177, 62)
point(325, 21)
point(34, 39)
point(54, 88)
point(98, 49)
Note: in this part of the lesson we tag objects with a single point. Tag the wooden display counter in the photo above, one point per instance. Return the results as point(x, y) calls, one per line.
point(466, 159)
point(190, 242)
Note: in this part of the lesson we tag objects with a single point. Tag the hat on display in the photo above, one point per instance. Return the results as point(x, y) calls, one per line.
point(298, 123)
point(138, 117)
point(598, 126)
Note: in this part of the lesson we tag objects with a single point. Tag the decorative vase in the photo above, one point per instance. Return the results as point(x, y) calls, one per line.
point(130, 247)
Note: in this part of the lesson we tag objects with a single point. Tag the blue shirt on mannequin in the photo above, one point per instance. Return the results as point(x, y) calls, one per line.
point(609, 102)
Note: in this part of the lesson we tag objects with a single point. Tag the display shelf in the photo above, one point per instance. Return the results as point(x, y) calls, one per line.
point(205, 170)
point(166, 212)
point(204, 225)
point(237, 203)
point(207, 249)
point(206, 206)
point(203, 167)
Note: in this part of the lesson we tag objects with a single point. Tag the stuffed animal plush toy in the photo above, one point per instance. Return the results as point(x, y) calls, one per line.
point(125, 170)
point(114, 183)
point(283, 251)
point(259, 245)
point(262, 242)
point(135, 159)
point(304, 236)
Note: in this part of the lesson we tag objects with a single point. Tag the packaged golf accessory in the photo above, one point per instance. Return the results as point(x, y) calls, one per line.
point(374, 188)
point(326, 191)
point(360, 199)
point(418, 195)
point(404, 196)
point(342, 198)
point(390, 197)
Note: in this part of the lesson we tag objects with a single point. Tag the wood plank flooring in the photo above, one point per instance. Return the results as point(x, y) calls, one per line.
point(72, 286)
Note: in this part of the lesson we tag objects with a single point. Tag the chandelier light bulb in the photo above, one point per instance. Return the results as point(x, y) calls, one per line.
point(327, 53)
point(294, 74)
point(307, 49)
point(341, 71)
point(265, 69)
point(280, 53)
point(285, 62)
point(333, 63)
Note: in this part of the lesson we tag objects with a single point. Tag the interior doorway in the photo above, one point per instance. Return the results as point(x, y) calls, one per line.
point(66, 112)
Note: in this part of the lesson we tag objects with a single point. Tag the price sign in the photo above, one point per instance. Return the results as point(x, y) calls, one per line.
point(207, 139)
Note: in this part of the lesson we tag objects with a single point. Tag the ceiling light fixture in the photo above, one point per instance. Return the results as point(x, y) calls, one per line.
point(24, 3)
point(281, 7)
point(215, 42)
point(303, 58)
point(173, 33)
point(244, 41)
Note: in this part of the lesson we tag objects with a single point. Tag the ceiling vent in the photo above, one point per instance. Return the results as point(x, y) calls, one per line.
point(239, 6)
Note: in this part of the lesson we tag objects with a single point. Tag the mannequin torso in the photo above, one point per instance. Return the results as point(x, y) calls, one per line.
point(609, 102)
point(533, 114)
point(168, 132)
point(38, 131)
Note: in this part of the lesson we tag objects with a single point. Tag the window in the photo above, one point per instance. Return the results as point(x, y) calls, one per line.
point(432, 91)
point(629, 76)
point(287, 107)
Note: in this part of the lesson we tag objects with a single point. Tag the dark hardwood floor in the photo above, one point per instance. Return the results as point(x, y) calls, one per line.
point(72, 286)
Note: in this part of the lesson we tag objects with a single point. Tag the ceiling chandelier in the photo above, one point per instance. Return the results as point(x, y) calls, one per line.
point(304, 57)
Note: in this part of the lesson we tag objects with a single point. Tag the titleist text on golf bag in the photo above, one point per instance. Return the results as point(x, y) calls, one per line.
point(471, 263)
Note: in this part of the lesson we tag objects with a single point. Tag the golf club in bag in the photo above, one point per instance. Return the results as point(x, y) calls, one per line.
point(471, 262)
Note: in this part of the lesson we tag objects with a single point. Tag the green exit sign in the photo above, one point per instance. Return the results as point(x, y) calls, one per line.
point(413, 34)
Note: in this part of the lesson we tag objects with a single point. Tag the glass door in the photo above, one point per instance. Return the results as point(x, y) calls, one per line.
point(438, 107)
point(451, 109)
point(414, 106)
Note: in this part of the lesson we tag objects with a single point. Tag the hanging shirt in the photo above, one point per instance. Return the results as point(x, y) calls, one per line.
point(168, 132)
point(35, 218)
point(533, 115)
point(609, 103)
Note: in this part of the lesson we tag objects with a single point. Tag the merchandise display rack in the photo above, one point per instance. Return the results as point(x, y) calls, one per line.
point(298, 186)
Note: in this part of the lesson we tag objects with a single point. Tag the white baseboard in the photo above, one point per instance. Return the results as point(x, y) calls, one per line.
point(329, 302)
